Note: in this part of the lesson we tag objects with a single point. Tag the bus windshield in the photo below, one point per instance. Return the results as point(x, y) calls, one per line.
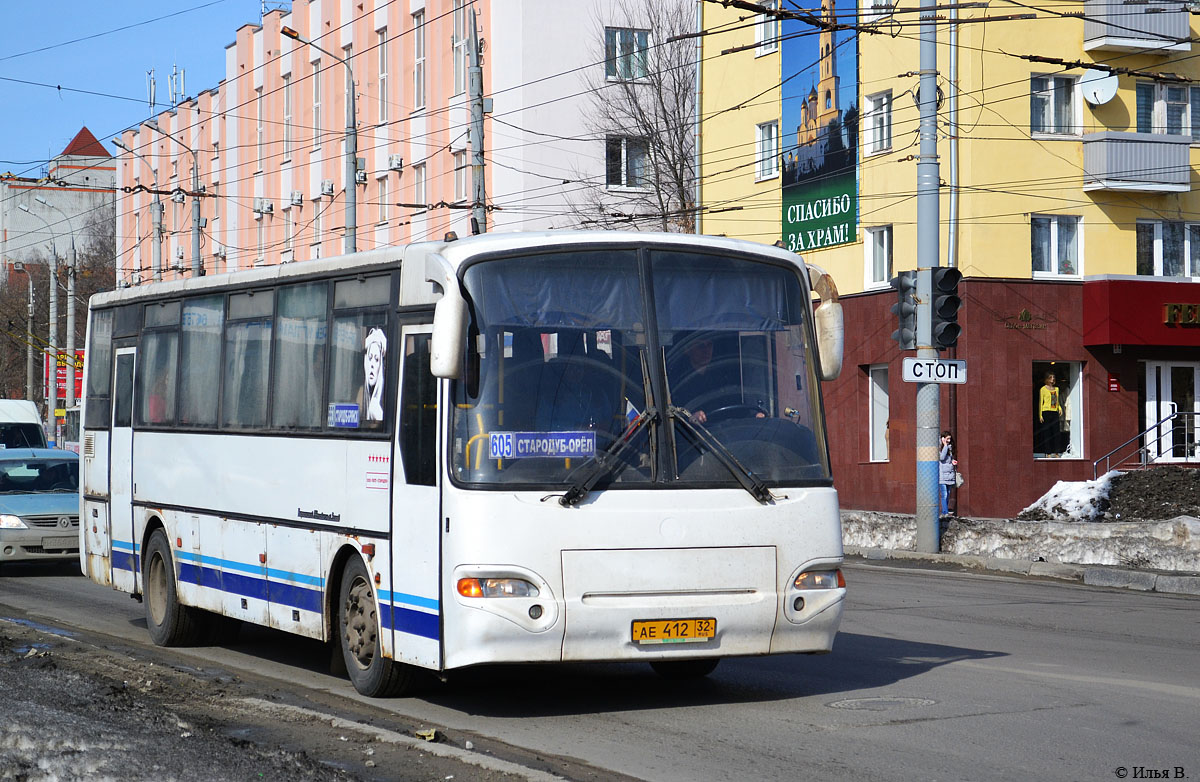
point(660, 359)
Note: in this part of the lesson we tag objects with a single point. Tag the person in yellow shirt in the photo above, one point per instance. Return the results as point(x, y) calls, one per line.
point(1047, 439)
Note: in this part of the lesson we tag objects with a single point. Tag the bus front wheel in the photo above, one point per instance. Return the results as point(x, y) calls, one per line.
point(169, 623)
point(358, 621)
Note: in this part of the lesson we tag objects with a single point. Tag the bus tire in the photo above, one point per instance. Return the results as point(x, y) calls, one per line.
point(358, 626)
point(169, 623)
point(685, 669)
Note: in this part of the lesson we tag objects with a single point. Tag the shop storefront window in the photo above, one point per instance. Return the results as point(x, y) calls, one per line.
point(1057, 410)
point(879, 414)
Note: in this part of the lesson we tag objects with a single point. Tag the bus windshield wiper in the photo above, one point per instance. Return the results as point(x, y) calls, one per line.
point(701, 434)
point(606, 461)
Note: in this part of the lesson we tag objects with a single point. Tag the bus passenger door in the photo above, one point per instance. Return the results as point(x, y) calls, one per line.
point(416, 524)
point(120, 474)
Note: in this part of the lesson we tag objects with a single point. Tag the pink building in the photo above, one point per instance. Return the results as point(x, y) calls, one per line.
point(269, 139)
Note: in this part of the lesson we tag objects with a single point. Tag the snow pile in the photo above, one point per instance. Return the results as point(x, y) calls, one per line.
point(1072, 501)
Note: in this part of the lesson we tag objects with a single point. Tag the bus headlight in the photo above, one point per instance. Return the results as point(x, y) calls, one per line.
point(496, 587)
point(12, 522)
point(821, 579)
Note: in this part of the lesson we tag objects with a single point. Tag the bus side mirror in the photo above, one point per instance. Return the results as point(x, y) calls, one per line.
point(449, 320)
point(830, 326)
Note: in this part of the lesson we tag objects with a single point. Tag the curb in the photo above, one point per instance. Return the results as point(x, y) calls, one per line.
point(1091, 575)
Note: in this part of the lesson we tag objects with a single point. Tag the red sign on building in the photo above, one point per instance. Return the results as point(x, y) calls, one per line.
point(63, 365)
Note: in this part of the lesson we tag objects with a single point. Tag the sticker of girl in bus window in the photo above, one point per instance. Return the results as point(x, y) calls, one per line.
point(374, 351)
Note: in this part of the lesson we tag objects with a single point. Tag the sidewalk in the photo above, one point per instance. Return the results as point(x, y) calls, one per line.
point(1158, 556)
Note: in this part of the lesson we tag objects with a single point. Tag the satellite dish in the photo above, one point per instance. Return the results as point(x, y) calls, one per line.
point(1098, 87)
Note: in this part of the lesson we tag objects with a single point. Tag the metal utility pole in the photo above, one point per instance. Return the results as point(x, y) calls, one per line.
point(21, 267)
point(52, 379)
point(156, 213)
point(197, 265)
point(351, 142)
point(928, 414)
point(475, 137)
point(70, 395)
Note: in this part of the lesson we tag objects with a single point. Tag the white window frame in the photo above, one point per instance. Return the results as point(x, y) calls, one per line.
point(1190, 119)
point(1190, 249)
point(317, 237)
point(766, 165)
point(461, 171)
point(873, 237)
point(419, 183)
point(383, 75)
point(626, 64)
point(1056, 82)
point(258, 116)
point(1056, 262)
point(418, 60)
point(458, 45)
point(624, 179)
point(1070, 399)
point(382, 184)
point(878, 122)
point(766, 30)
point(287, 118)
point(879, 413)
point(289, 229)
point(316, 104)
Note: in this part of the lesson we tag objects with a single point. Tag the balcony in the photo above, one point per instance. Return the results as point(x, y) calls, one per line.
point(1137, 162)
point(1148, 27)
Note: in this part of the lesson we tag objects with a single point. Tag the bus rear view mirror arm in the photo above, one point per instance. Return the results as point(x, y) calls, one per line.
point(449, 320)
point(829, 323)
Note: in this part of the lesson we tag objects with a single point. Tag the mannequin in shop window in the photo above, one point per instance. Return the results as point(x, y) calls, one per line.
point(1048, 437)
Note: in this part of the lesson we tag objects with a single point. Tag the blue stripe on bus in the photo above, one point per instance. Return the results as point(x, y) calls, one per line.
point(406, 599)
point(405, 620)
point(122, 560)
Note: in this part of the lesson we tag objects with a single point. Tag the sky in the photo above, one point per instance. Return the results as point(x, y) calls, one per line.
point(106, 47)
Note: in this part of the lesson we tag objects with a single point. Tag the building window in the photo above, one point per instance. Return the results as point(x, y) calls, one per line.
point(288, 229)
point(625, 161)
point(461, 172)
point(1055, 244)
point(1171, 109)
point(879, 122)
point(625, 53)
point(348, 56)
point(768, 151)
point(1052, 105)
point(766, 29)
point(458, 45)
point(317, 235)
point(419, 60)
point(258, 118)
point(287, 118)
point(879, 255)
point(879, 414)
point(316, 104)
point(1168, 248)
point(1057, 406)
point(383, 75)
point(419, 184)
point(383, 199)
point(260, 239)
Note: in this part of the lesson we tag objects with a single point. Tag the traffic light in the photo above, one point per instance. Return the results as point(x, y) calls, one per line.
point(945, 307)
point(905, 310)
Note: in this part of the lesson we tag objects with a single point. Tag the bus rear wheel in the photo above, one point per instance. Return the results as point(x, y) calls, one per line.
point(685, 669)
point(358, 622)
point(169, 623)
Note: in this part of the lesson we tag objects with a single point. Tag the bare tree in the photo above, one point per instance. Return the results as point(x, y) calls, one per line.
point(643, 110)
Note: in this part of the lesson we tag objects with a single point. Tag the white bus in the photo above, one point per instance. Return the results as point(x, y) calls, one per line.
point(566, 446)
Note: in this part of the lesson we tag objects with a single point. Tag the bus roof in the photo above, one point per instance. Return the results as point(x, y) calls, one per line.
point(415, 290)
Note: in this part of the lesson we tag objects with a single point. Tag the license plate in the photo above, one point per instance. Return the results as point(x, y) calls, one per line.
point(59, 544)
point(673, 631)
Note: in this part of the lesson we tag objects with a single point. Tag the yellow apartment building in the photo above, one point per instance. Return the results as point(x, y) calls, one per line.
point(1067, 201)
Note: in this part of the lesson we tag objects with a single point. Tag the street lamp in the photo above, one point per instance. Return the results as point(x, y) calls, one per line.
point(156, 210)
point(52, 385)
point(351, 143)
point(70, 303)
point(197, 270)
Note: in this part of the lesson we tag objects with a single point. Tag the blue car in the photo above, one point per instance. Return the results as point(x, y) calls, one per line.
point(39, 504)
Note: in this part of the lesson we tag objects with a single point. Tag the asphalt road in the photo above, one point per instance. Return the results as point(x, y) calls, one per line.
point(936, 676)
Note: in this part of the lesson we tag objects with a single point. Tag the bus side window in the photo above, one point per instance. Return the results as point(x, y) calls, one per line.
point(418, 417)
point(99, 380)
